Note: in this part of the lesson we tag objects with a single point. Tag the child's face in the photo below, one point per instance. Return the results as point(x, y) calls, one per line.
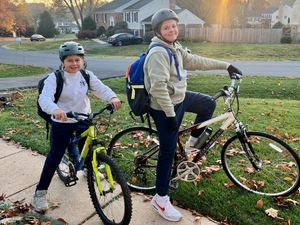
point(73, 63)
point(169, 30)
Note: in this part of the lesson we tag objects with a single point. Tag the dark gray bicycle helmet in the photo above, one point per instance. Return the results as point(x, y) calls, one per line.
point(161, 16)
point(70, 48)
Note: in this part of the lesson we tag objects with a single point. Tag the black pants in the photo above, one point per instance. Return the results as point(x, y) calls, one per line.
point(60, 137)
point(197, 103)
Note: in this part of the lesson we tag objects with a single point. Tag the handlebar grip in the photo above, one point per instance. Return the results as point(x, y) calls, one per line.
point(70, 114)
point(218, 95)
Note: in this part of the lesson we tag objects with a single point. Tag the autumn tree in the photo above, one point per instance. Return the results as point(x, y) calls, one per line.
point(22, 16)
point(14, 15)
point(7, 19)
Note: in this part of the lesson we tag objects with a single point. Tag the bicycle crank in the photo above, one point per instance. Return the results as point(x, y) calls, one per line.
point(187, 171)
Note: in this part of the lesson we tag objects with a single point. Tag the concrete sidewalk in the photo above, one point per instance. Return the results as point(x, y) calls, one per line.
point(20, 170)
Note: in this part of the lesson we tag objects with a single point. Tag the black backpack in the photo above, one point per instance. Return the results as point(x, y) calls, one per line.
point(59, 87)
point(137, 96)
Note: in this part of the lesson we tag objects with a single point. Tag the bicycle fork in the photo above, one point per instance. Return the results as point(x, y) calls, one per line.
point(96, 171)
point(248, 148)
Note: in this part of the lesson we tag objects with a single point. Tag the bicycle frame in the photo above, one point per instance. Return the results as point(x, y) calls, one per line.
point(89, 133)
point(229, 119)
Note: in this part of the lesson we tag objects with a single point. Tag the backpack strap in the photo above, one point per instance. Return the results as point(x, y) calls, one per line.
point(171, 55)
point(59, 84)
point(86, 76)
point(59, 87)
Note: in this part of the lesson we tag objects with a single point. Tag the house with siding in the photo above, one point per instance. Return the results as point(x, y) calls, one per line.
point(138, 13)
point(295, 19)
point(285, 14)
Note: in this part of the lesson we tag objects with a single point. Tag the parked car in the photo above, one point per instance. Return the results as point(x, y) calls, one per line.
point(37, 37)
point(124, 39)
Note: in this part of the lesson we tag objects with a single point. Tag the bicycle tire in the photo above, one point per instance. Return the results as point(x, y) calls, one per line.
point(128, 149)
point(279, 175)
point(114, 207)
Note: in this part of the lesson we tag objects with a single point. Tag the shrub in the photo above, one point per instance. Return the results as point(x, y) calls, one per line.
point(109, 31)
point(286, 40)
point(86, 34)
point(88, 24)
point(100, 31)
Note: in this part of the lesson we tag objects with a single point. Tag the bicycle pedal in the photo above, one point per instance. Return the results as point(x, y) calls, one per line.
point(71, 181)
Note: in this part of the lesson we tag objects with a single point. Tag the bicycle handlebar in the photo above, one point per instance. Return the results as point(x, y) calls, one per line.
point(90, 116)
point(233, 88)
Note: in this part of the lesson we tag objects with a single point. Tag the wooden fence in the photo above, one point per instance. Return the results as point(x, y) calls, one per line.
point(245, 35)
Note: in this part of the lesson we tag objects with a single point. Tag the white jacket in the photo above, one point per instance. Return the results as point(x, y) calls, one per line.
point(74, 93)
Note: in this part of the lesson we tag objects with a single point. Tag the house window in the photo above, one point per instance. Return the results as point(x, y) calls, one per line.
point(104, 17)
point(128, 17)
point(135, 17)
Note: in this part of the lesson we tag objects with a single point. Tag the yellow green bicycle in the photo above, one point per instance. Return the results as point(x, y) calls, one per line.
point(107, 187)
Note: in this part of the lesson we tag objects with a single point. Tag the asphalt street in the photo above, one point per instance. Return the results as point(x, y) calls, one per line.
point(116, 66)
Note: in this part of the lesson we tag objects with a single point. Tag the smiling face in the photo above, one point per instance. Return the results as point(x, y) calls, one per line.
point(73, 63)
point(169, 30)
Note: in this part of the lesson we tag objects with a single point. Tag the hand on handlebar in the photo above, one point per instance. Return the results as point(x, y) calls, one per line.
point(59, 114)
point(116, 102)
point(234, 72)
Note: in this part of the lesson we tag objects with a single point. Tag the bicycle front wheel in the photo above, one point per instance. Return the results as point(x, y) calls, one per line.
point(135, 150)
point(275, 166)
point(113, 205)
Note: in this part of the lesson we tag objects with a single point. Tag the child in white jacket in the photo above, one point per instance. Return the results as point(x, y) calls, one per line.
point(73, 98)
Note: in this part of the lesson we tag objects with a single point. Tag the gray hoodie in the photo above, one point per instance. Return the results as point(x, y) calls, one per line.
point(161, 79)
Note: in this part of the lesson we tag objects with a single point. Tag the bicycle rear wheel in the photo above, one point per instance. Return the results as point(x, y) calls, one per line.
point(114, 205)
point(135, 150)
point(278, 165)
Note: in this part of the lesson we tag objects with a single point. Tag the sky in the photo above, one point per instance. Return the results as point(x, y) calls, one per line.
point(38, 1)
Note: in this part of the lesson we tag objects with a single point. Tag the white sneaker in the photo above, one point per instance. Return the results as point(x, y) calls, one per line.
point(189, 146)
point(40, 201)
point(163, 206)
point(191, 150)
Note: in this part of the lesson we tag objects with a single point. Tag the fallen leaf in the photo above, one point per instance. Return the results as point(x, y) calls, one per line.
point(260, 203)
point(62, 220)
point(197, 219)
point(200, 192)
point(273, 213)
point(55, 205)
point(229, 184)
point(277, 133)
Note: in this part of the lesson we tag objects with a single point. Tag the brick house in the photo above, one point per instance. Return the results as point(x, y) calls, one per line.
point(137, 14)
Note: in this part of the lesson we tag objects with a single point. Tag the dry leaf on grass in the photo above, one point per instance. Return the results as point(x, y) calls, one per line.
point(260, 203)
point(273, 213)
point(283, 201)
point(229, 184)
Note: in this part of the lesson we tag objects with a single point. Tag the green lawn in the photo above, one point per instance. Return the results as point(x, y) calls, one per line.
point(225, 51)
point(269, 104)
point(269, 107)
point(11, 70)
